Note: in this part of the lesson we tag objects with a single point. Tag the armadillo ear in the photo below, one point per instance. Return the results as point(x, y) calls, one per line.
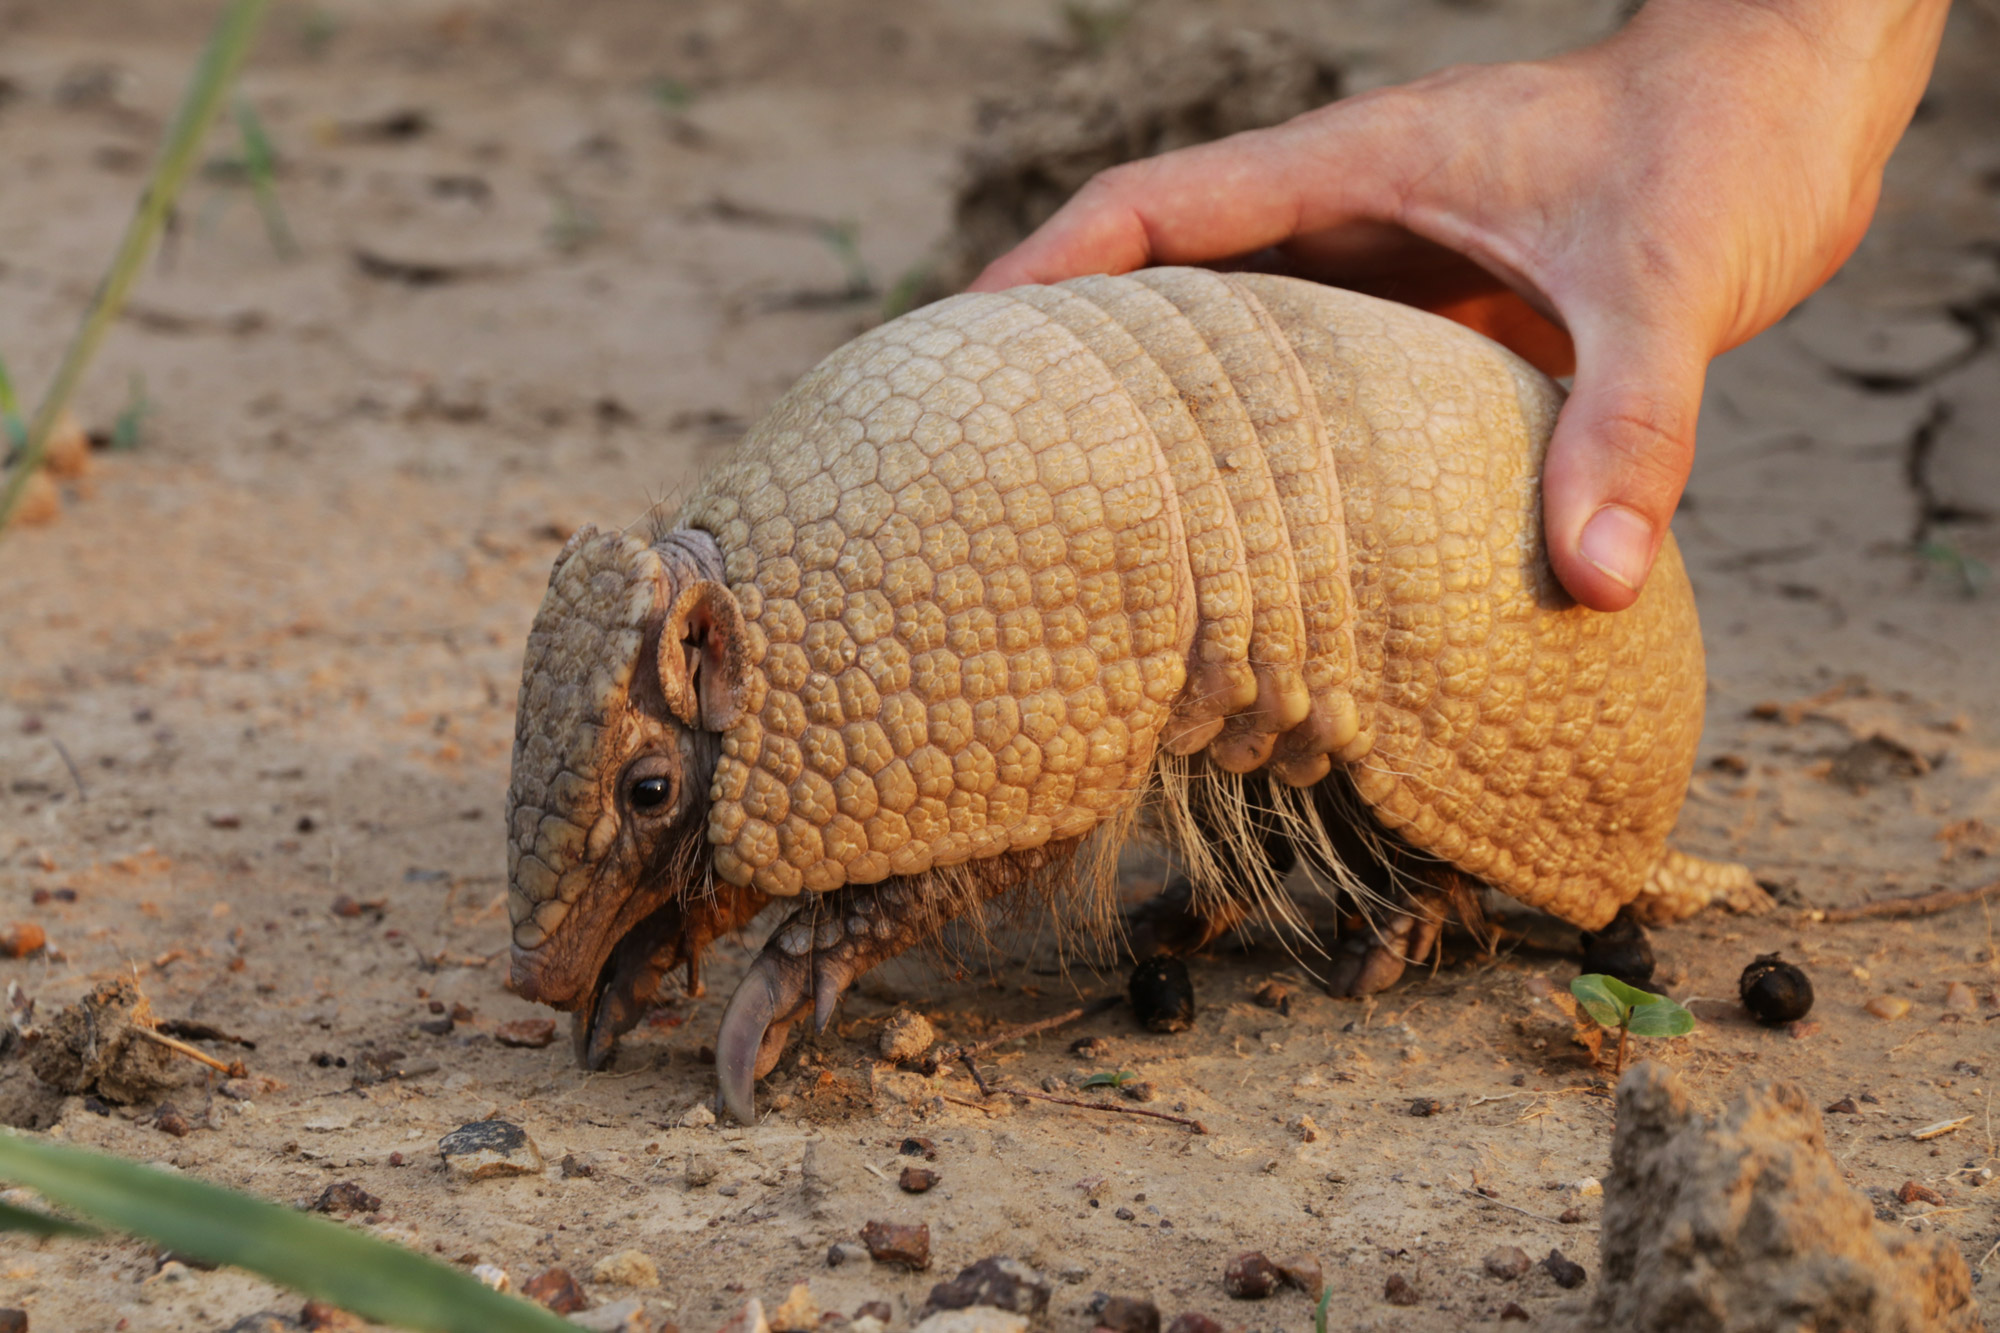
point(701, 657)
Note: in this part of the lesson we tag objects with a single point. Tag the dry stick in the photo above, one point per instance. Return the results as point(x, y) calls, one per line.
point(1923, 904)
point(233, 1070)
point(1091, 1010)
point(1113, 1107)
point(1475, 1194)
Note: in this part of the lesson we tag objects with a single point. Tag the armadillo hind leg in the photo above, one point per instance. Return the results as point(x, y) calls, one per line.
point(1681, 885)
point(1185, 917)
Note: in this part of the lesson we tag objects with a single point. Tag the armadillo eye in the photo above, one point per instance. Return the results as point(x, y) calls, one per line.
point(651, 793)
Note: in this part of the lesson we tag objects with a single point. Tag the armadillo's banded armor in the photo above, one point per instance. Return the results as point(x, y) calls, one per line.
point(997, 556)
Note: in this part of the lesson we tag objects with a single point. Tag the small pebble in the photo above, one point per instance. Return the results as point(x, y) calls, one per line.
point(1889, 1007)
point(1398, 1291)
point(627, 1316)
point(1251, 1277)
point(1129, 1314)
point(1144, 1090)
point(1570, 1216)
point(898, 1243)
point(1125, 1215)
point(324, 1318)
point(700, 1170)
point(1162, 995)
point(999, 1282)
point(1091, 1048)
point(1912, 1192)
point(492, 1275)
point(845, 1252)
point(1845, 1106)
point(1507, 1262)
point(1959, 999)
point(345, 1196)
point(1273, 995)
point(1304, 1272)
point(880, 1311)
point(264, 1321)
point(1567, 1272)
point(799, 1312)
point(531, 1033)
point(905, 1036)
point(1426, 1106)
point(169, 1120)
point(1305, 1127)
point(21, 939)
point(917, 1179)
point(1775, 991)
point(556, 1289)
point(627, 1268)
point(485, 1149)
point(575, 1168)
point(749, 1319)
point(1512, 1312)
point(1194, 1321)
point(975, 1319)
point(918, 1147)
point(699, 1116)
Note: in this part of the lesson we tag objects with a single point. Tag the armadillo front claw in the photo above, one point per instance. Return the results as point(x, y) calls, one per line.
point(771, 996)
point(1374, 958)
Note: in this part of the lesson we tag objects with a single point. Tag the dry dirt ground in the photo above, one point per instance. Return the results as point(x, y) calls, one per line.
point(551, 259)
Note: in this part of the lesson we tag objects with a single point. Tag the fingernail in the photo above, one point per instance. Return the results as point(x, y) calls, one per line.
point(1619, 542)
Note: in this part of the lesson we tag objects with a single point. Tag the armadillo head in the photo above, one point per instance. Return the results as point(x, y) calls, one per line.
point(634, 667)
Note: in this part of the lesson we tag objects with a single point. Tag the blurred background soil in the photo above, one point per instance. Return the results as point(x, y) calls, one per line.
point(257, 679)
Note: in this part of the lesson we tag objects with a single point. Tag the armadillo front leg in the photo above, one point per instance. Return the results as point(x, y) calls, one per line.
point(1374, 957)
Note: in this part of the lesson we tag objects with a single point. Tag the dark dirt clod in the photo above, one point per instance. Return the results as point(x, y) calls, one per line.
point(917, 1179)
point(168, 1119)
point(1091, 1048)
point(918, 1147)
point(555, 1288)
point(264, 1321)
point(999, 1281)
point(1273, 995)
point(1397, 1290)
point(1912, 1192)
point(324, 1318)
point(531, 1033)
point(1129, 1314)
point(1162, 995)
point(1512, 1312)
point(572, 1169)
point(21, 939)
point(488, 1148)
point(91, 1047)
point(1622, 950)
point(1194, 1321)
point(1568, 1274)
point(1570, 1216)
point(1425, 1106)
point(898, 1243)
point(13, 1321)
point(1775, 991)
point(1507, 1262)
point(1251, 1277)
point(345, 1196)
point(1845, 1106)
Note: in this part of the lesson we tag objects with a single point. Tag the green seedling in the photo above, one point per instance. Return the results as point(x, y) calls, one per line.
point(317, 29)
point(844, 239)
point(572, 225)
point(1633, 1012)
point(228, 46)
point(1319, 1311)
point(10, 417)
point(260, 168)
point(903, 293)
point(1109, 1079)
point(1973, 575)
point(325, 1260)
point(671, 93)
point(130, 426)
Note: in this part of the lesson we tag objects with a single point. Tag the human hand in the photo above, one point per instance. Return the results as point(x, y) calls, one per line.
point(1626, 211)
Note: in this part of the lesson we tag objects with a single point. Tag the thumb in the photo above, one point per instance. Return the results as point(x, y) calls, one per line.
point(1620, 458)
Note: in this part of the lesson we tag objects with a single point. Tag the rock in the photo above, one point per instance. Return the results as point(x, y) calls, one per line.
point(343, 1197)
point(1273, 995)
point(972, 1319)
point(1129, 1314)
point(1912, 1192)
point(1426, 1106)
point(1512, 1312)
point(1303, 1271)
point(701, 1170)
point(1398, 1291)
point(556, 1289)
point(916, 1146)
point(1144, 1090)
point(845, 1252)
point(1569, 1274)
point(627, 1268)
point(866, 1323)
point(492, 1275)
point(879, 1311)
point(1194, 1322)
point(1960, 999)
point(627, 1316)
point(1305, 1127)
point(90, 1047)
point(264, 1321)
point(1251, 1277)
point(905, 1036)
point(1507, 1262)
point(917, 1179)
point(799, 1313)
point(898, 1243)
point(1000, 1282)
point(532, 1033)
point(324, 1318)
point(1742, 1222)
point(1162, 995)
point(488, 1148)
point(749, 1319)
point(21, 939)
point(699, 1116)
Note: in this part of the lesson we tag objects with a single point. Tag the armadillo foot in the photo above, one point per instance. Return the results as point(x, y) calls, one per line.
point(1179, 921)
point(806, 966)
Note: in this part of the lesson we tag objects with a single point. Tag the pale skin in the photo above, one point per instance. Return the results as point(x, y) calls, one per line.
point(1624, 212)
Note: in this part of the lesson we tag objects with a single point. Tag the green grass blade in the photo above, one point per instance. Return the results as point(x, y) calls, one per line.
point(322, 1259)
point(14, 1218)
point(224, 55)
point(10, 417)
point(260, 165)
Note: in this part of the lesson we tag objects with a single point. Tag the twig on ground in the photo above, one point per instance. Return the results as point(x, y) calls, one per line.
point(70, 764)
point(1475, 1194)
point(233, 1069)
point(1113, 1107)
point(964, 1101)
point(1897, 909)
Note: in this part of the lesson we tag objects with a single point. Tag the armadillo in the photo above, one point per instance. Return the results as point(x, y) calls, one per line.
point(1259, 559)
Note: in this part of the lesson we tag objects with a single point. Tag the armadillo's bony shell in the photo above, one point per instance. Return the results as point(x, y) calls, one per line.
point(980, 549)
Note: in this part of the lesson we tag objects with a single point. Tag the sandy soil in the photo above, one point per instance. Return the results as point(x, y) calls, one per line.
point(279, 643)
